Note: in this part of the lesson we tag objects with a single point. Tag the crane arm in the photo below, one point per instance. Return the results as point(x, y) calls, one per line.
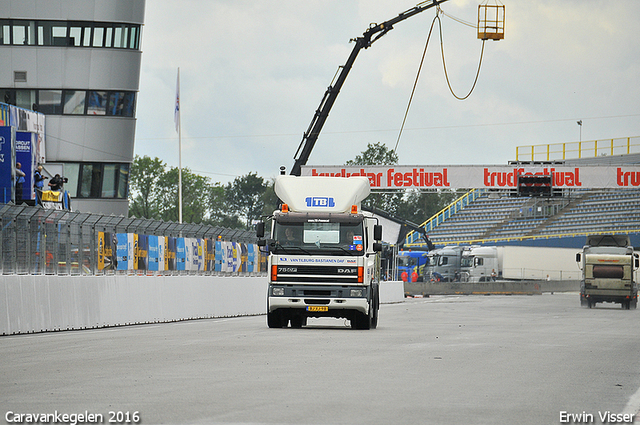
point(371, 35)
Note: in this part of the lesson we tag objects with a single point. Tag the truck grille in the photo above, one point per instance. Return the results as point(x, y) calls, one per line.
point(341, 274)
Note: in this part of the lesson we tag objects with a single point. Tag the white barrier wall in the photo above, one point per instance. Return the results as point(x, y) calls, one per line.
point(51, 303)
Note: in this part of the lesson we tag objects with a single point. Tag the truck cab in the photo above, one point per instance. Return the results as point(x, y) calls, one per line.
point(480, 264)
point(412, 265)
point(323, 253)
point(444, 264)
point(608, 263)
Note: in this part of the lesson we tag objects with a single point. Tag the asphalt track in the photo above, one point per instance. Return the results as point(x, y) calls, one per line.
point(439, 360)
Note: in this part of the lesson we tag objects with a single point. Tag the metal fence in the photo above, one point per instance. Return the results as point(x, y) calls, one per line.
point(39, 241)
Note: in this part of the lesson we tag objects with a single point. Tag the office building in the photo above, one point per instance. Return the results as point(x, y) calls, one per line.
point(78, 62)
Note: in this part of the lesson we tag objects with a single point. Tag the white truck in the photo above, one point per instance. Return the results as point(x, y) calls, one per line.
point(487, 263)
point(323, 252)
point(444, 264)
point(608, 263)
point(481, 264)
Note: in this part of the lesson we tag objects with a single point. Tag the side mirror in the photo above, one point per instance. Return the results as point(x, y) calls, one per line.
point(377, 247)
point(377, 232)
point(260, 229)
point(636, 261)
point(262, 242)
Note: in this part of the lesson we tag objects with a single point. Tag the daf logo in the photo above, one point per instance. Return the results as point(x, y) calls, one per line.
point(347, 271)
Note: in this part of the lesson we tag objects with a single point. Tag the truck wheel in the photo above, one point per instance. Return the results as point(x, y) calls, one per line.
point(376, 307)
point(298, 321)
point(275, 319)
point(361, 321)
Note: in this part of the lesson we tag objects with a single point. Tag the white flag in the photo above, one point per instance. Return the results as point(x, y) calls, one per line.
point(176, 113)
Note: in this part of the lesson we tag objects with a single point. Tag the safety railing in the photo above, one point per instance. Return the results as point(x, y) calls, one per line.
point(500, 240)
point(39, 241)
point(445, 213)
point(573, 150)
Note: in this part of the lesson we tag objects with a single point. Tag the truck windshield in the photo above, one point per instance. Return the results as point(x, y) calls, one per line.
point(404, 261)
point(313, 237)
point(466, 262)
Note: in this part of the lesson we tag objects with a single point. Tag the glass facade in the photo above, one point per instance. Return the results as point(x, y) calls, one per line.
point(18, 32)
point(72, 102)
point(97, 180)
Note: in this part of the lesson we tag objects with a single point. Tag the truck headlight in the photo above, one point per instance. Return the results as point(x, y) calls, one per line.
point(359, 293)
point(278, 292)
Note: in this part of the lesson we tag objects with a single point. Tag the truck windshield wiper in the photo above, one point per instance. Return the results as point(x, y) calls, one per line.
point(286, 249)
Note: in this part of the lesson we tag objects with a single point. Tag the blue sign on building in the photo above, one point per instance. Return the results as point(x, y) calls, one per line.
point(26, 156)
point(7, 137)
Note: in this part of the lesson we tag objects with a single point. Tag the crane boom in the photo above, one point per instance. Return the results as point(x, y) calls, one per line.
point(373, 33)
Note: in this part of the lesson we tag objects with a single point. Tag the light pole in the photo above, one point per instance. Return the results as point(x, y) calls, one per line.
point(580, 124)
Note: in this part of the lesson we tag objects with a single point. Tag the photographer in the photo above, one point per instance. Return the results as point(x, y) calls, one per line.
point(38, 182)
point(57, 182)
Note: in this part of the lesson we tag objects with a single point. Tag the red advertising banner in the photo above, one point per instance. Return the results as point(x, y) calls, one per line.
point(484, 176)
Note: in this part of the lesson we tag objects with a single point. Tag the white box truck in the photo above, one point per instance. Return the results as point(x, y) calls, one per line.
point(488, 263)
point(323, 252)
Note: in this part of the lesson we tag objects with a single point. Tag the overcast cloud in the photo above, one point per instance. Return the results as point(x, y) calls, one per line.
point(253, 73)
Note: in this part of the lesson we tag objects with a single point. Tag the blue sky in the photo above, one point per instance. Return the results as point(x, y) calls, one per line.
point(254, 72)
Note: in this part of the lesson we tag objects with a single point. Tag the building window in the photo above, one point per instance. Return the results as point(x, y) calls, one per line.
point(5, 31)
point(97, 180)
point(52, 33)
point(24, 33)
point(86, 37)
point(70, 34)
point(75, 34)
point(24, 98)
point(98, 36)
point(123, 181)
point(108, 37)
point(97, 103)
point(71, 171)
point(120, 104)
point(90, 179)
point(50, 102)
point(74, 102)
point(109, 178)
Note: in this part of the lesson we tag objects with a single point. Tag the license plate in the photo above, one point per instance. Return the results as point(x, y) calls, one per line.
point(317, 308)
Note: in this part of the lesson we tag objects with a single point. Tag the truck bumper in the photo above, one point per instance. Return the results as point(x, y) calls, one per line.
point(593, 296)
point(319, 300)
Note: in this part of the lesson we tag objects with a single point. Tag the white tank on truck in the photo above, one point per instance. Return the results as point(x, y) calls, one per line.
point(608, 263)
point(323, 252)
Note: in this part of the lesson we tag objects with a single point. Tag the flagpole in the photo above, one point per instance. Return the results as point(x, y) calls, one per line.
point(179, 152)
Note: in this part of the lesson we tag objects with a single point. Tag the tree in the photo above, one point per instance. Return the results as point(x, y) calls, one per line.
point(195, 190)
point(144, 194)
point(410, 205)
point(418, 207)
point(245, 197)
point(379, 154)
point(269, 199)
point(154, 194)
point(376, 154)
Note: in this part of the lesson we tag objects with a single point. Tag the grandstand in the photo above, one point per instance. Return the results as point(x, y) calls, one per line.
point(496, 218)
